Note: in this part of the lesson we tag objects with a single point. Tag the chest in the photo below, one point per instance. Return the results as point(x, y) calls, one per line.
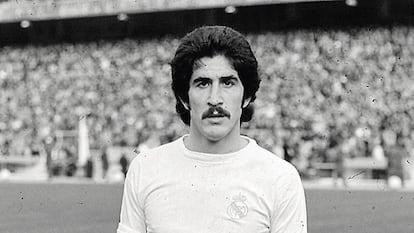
point(208, 201)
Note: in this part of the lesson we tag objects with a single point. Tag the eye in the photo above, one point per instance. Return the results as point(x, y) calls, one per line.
point(202, 84)
point(228, 83)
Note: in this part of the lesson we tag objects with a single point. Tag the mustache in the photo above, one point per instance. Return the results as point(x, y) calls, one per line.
point(215, 111)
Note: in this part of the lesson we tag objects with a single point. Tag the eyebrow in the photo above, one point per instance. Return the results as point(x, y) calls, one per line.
point(229, 77)
point(200, 79)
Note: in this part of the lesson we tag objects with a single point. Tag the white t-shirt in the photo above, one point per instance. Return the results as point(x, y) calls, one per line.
point(170, 189)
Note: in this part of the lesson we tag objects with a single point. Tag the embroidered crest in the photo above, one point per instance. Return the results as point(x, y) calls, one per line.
point(238, 208)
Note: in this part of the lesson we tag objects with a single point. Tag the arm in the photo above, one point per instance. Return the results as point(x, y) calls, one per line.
point(132, 218)
point(289, 215)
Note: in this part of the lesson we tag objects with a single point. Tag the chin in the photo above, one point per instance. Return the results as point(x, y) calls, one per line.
point(215, 135)
point(214, 138)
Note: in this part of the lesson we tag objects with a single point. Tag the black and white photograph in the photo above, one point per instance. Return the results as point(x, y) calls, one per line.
point(209, 116)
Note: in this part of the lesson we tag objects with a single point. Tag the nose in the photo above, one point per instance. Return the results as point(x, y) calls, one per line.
point(215, 97)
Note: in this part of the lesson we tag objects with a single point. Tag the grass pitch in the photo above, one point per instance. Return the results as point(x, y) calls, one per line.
point(94, 208)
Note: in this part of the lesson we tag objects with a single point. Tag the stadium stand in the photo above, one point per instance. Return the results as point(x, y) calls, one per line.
point(326, 88)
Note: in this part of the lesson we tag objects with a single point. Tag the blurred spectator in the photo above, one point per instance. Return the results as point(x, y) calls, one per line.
point(123, 161)
point(89, 168)
point(395, 154)
point(105, 162)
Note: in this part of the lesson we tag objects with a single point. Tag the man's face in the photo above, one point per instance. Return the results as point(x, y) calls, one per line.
point(215, 99)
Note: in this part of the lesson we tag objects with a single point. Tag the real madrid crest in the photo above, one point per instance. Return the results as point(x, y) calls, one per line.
point(238, 208)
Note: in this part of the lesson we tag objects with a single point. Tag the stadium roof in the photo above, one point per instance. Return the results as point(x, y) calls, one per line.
point(15, 11)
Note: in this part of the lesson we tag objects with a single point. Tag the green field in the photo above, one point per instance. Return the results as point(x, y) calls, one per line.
point(94, 208)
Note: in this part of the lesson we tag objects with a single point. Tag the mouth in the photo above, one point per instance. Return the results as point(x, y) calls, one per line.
point(215, 119)
point(217, 115)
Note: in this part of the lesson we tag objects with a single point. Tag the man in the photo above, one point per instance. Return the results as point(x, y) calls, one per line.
point(213, 179)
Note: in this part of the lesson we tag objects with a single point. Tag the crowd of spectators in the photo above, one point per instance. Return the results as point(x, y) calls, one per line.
point(321, 90)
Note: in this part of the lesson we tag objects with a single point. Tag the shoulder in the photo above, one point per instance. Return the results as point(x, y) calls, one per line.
point(157, 155)
point(163, 150)
point(269, 160)
point(282, 175)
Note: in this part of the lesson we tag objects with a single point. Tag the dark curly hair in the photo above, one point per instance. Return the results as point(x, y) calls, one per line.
point(209, 41)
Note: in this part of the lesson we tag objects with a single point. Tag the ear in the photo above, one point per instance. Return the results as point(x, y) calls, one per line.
point(246, 102)
point(186, 105)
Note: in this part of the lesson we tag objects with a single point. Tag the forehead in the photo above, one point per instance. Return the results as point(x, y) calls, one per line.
point(213, 67)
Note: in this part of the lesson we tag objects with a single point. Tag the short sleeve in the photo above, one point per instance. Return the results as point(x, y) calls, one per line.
point(289, 214)
point(132, 218)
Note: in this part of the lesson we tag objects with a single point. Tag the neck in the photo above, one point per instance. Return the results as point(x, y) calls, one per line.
point(228, 144)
